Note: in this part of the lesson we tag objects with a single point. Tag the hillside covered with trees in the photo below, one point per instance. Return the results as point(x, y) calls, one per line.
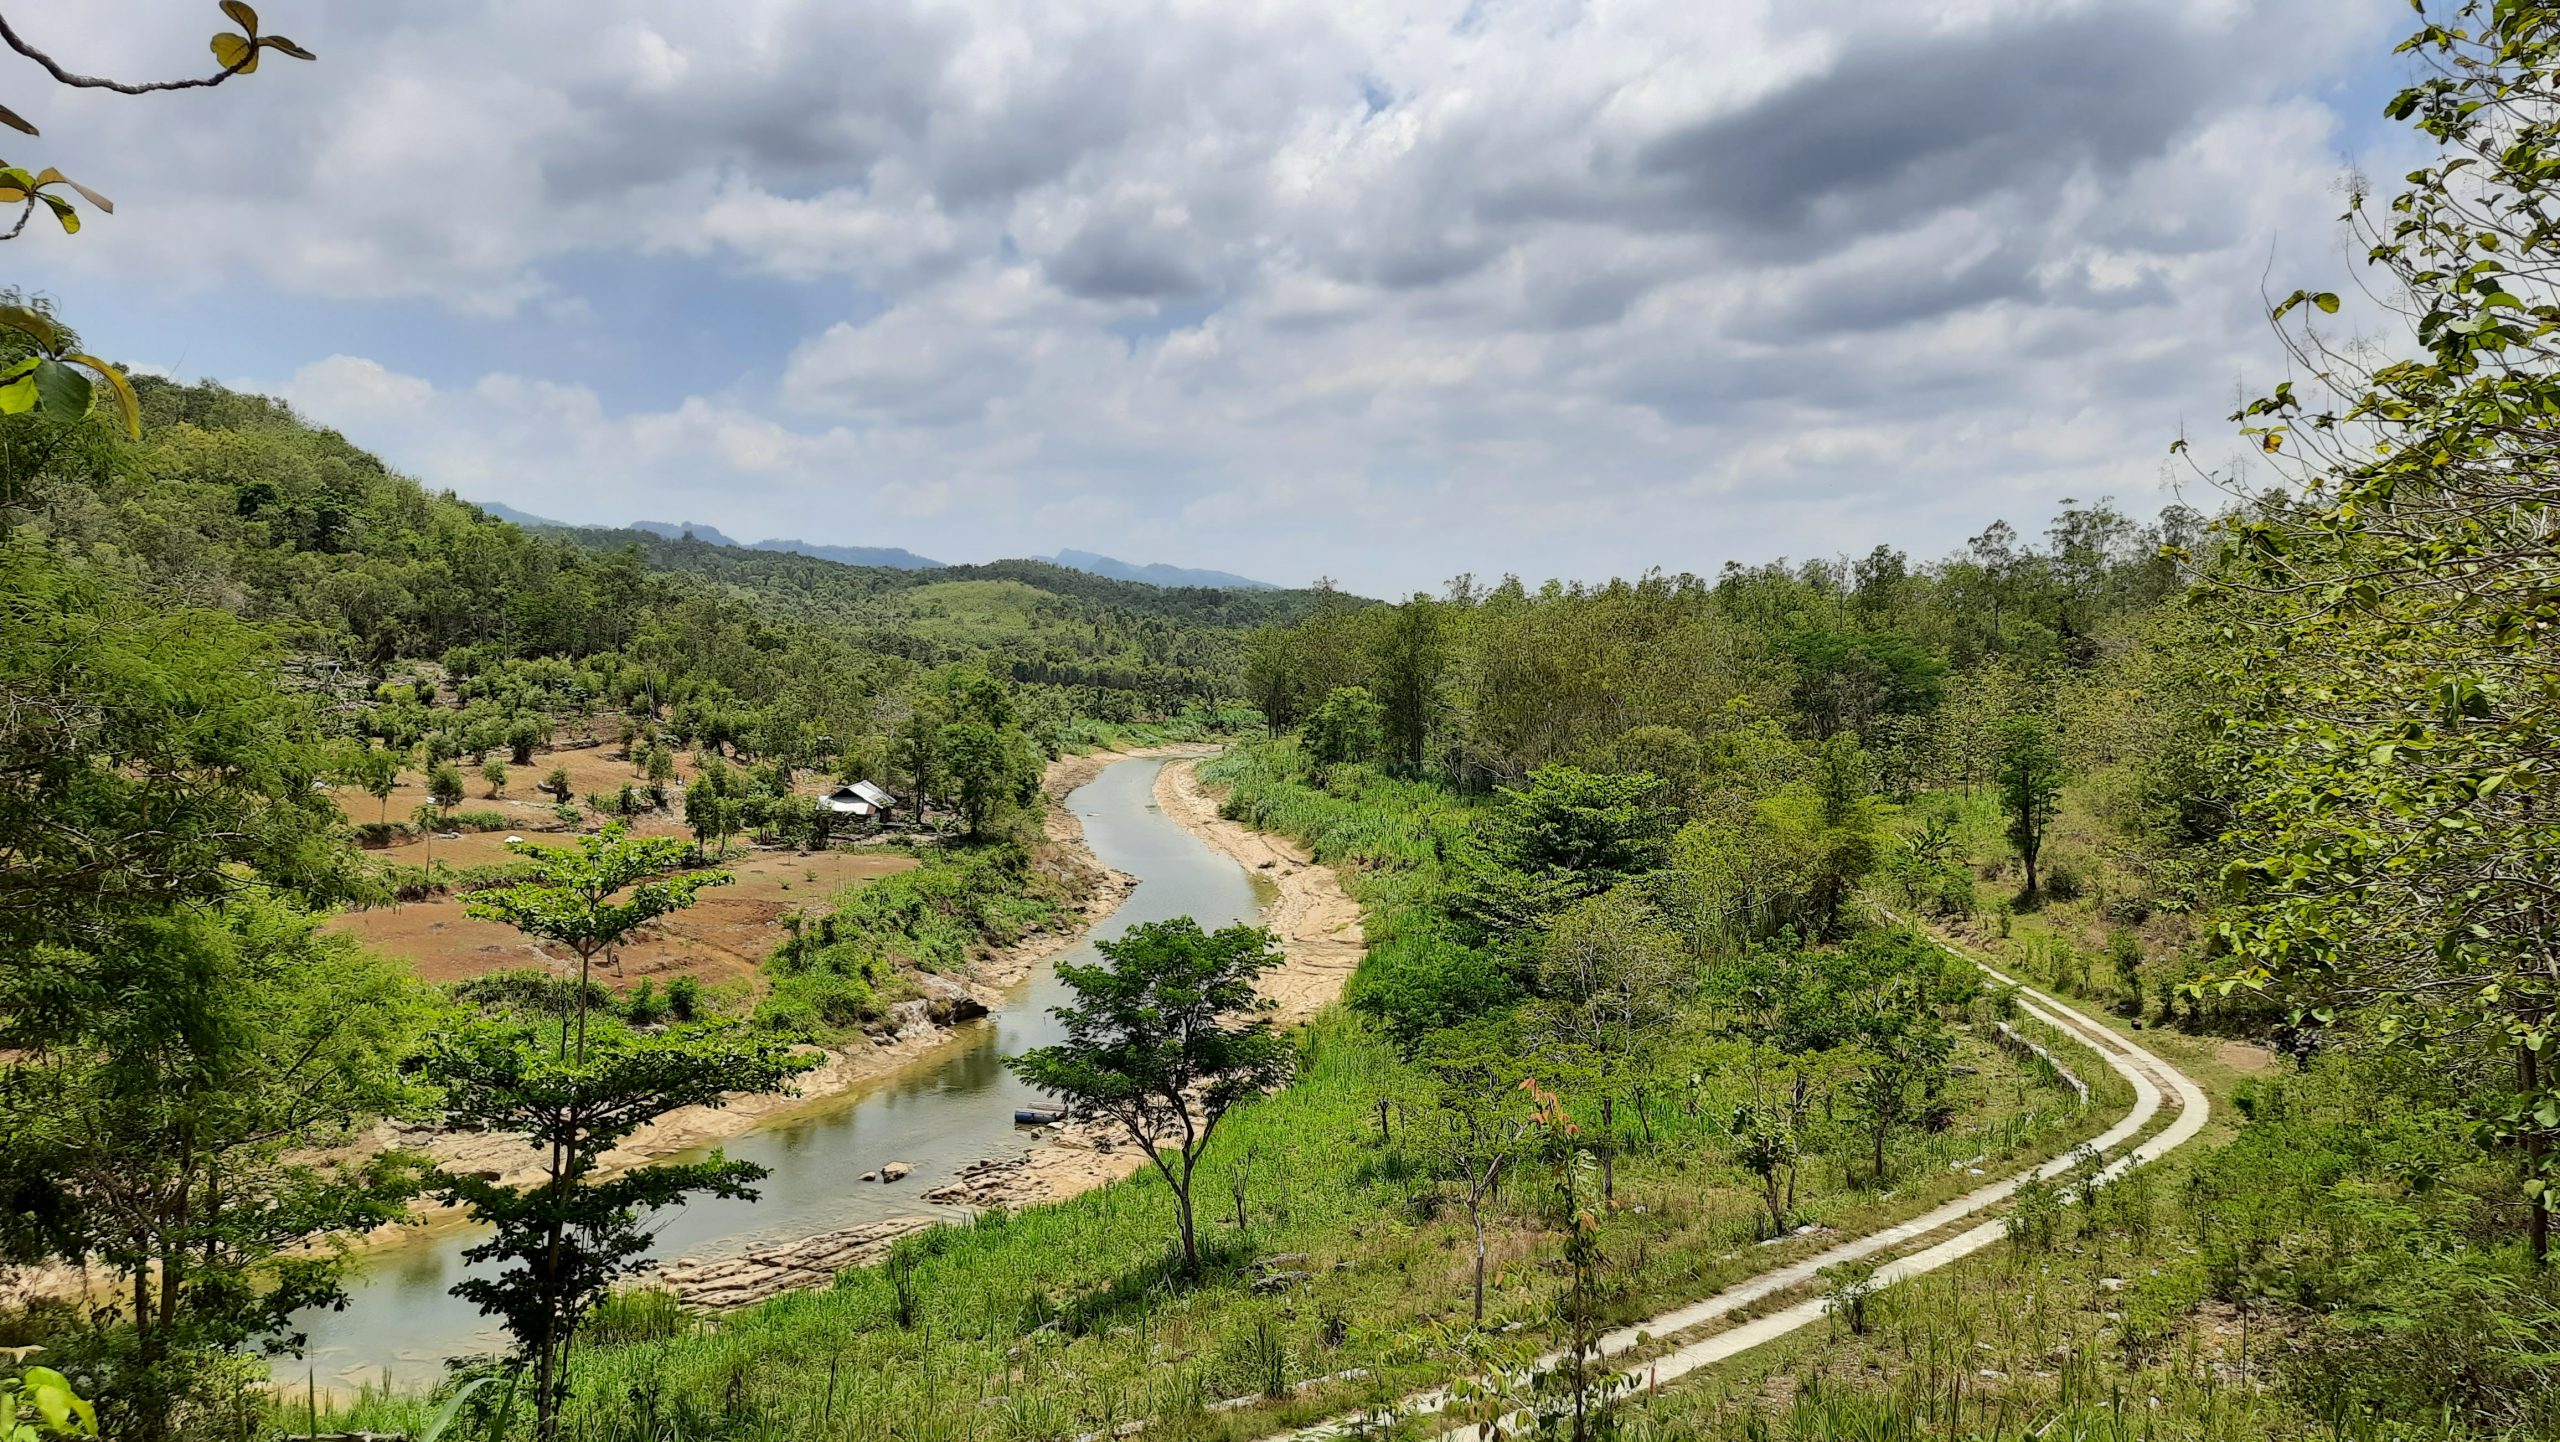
point(2171, 895)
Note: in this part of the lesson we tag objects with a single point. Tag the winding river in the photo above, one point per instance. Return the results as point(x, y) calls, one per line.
point(947, 1109)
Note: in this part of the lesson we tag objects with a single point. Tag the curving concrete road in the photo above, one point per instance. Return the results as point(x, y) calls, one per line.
point(2154, 1083)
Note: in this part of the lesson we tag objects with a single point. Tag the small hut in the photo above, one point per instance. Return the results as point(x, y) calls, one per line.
point(861, 800)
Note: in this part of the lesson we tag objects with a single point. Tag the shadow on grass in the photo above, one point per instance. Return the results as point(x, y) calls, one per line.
point(1224, 1261)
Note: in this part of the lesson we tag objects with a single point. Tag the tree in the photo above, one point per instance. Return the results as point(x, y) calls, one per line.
point(589, 897)
point(444, 783)
point(1771, 1145)
point(989, 769)
point(1608, 977)
point(523, 735)
point(494, 771)
point(1271, 676)
point(157, 784)
point(1566, 835)
point(1165, 1039)
point(563, 1241)
point(378, 772)
point(559, 784)
point(1349, 727)
point(1407, 658)
point(2389, 668)
point(1901, 1063)
point(1844, 780)
point(709, 811)
point(179, 1154)
point(1480, 1128)
point(568, 1237)
point(919, 751)
point(2029, 775)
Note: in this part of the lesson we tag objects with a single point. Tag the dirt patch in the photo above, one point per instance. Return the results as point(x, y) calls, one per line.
point(2246, 1058)
point(1321, 941)
point(723, 937)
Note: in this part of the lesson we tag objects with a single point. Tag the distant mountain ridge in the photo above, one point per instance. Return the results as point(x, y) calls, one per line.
point(1089, 562)
point(902, 559)
point(514, 517)
point(1154, 573)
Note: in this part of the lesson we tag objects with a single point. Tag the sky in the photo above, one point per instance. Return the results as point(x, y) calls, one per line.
point(1385, 292)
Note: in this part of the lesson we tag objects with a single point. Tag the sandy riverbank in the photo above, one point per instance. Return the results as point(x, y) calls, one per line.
point(1317, 922)
point(1321, 942)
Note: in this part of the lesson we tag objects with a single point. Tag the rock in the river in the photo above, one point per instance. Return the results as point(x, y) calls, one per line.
point(995, 1182)
point(894, 1171)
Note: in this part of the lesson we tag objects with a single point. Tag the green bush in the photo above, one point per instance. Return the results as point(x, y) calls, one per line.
point(1418, 982)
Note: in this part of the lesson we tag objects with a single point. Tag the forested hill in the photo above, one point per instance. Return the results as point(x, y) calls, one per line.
point(834, 589)
point(232, 501)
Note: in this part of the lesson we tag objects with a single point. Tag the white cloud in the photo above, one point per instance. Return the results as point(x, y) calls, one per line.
point(1385, 289)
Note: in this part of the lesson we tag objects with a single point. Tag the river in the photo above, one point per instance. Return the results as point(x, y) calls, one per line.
point(947, 1109)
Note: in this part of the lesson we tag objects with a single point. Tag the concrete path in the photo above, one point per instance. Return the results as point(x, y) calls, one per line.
point(2156, 1085)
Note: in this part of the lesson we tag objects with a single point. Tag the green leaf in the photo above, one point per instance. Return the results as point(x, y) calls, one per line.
point(443, 1421)
point(15, 121)
point(128, 405)
point(56, 1403)
point(31, 322)
point(241, 15)
point(278, 42)
point(2327, 302)
point(64, 212)
point(18, 389)
point(235, 53)
point(63, 391)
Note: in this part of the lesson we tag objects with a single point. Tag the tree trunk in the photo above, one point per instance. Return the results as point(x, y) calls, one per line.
point(1477, 1216)
point(1608, 1151)
point(1880, 1129)
point(1190, 1238)
point(2537, 1222)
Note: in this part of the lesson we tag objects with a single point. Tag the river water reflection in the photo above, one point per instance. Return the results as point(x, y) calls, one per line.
point(949, 1108)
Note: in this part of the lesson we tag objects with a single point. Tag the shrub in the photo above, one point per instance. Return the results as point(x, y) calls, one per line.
point(1420, 982)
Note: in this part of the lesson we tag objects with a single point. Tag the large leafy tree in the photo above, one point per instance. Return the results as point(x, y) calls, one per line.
point(563, 1241)
point(589, 897)
point(1165, 1039)
point(2391, 671)
point(2029, 775)
point(175, 1030)
point(1567, 834)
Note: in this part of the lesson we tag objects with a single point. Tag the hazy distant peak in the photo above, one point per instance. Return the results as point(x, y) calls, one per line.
point(904, 560)
point(676, 532)
point(1155, 573)
point(514, 517)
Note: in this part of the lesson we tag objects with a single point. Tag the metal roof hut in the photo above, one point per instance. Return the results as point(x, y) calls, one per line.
point(861, 799)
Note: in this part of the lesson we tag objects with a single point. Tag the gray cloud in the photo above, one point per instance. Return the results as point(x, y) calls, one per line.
point(1529, 284)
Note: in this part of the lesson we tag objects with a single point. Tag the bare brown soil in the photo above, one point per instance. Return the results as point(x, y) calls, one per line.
point(723, 938)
